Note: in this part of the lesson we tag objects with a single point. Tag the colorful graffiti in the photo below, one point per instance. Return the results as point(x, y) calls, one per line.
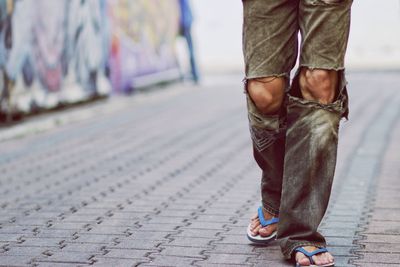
point(82, 49)
point(142, 34)
point(6, 9)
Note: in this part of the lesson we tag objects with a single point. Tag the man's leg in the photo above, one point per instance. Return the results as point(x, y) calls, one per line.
point(264, 104)
point(193, 66)
point(310, 159)
point(270, 30)
point(316, 103)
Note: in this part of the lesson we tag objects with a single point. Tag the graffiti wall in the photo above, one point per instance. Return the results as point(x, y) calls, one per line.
point(64, 51)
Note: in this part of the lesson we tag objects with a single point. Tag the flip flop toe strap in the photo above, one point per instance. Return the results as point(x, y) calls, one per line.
point(312, 253)
point(262, 218)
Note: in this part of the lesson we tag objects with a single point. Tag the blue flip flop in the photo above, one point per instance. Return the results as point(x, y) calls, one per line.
point(262, 239)
point(312, 253)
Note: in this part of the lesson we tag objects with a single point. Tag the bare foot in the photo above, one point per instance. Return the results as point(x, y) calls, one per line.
point(256, 227)
point(319, 259)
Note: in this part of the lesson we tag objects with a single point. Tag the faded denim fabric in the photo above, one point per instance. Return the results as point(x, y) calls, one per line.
point(309, 167)
point(297, 148)
point(270, 35)
point(268, 138)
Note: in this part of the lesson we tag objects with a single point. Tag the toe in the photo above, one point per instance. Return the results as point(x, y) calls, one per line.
point(317, 261)
point(265, 231)
point(255, 224)
point(331, 259)
point(327, 258)
point(321, 259)
point(302, 260)
point(256, 230)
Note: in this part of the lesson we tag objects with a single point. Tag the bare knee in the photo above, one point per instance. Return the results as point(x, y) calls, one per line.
point(318, 84)
point(267, 93)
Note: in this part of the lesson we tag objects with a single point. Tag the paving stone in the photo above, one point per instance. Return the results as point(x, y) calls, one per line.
point(177, 213)
point(166, 220)
point(234, 239)
point(269, 255)
point(205, 233)
point(96, 229)
point(364, 264)
point(154, 235)
point(335, 232)
point(212, 218)
point(80, 247)
point(184, 206)
point(110, 222)
point(340, 241)
point(132, 243)
point(78, 218)
point(262, 249)
point(235, 231)
point(387, 230)
point(170, 261)
point(227, 211)
point(343, 261)
point(16, 230)
point(274, 263)
point(54, 233)
point(205, 225)
point(232, 248)
point(57, 264)
point(386, 204)
point(341, 251)
point(227, 258)
point(343, 224)
point(31, 221)
point(182, 251)
point(381, 247)
point(392, 258)
point(40, 242)
point(11, 261)
point(107, 262)
point(10, 237)
point(96, 238)
point(127, 253)
point(24, 251)
point(384, 224)
point(68, 225)
point(67, 257)
point(189, 242)
point(374, 238)
point(159, 227)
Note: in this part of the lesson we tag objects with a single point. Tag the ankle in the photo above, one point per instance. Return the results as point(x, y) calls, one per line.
point(267, 214)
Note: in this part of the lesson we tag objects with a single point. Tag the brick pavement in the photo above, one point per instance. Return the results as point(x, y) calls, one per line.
point(171, 182)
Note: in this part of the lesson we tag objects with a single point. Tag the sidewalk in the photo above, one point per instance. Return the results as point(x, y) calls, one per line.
point(169, 180)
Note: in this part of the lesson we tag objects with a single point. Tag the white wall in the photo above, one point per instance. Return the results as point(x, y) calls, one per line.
point(374, 38)
point(375, 34)
point(218, 33)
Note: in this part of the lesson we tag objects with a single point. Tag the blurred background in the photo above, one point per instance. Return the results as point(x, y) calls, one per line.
point(374, 38)
point(83, 50)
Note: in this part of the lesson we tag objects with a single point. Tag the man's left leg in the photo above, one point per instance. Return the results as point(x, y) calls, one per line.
point(315, 104)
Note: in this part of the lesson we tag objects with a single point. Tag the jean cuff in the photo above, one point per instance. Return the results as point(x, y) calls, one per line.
point(271, 210)
point(288, 252)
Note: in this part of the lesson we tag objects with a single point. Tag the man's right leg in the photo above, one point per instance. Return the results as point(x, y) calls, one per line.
point(266, 120)
point(270, 30)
